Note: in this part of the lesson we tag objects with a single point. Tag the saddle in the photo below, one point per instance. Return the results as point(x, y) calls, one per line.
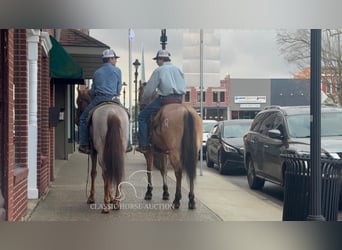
point(114, 101)
point(154, 120)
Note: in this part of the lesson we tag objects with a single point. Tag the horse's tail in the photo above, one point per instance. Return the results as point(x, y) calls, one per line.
point(113, 153)
point(189, 145)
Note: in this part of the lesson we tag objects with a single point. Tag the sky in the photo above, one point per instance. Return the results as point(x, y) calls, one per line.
point(243, 53)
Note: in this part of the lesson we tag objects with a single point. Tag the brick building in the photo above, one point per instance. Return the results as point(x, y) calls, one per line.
point(34, 88)
point(24, 73)
point(215, 100)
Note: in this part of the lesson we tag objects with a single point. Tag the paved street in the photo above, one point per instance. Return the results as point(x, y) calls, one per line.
point(217, 199)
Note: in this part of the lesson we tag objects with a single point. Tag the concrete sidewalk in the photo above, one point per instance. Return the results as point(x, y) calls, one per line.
point(217, 199)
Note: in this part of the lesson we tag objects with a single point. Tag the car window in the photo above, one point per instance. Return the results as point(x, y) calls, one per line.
point(207, 127)
point(299, 125)
point(268, 123)
point(331, 124)
point(258, 121)
point(235, 130)
point(278, 122)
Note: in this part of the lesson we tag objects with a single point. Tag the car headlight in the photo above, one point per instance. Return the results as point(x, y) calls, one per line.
point(228, 148)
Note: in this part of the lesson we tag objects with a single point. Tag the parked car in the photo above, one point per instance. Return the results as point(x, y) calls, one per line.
point(225, 145)
point(207, 125)
point(286, 130)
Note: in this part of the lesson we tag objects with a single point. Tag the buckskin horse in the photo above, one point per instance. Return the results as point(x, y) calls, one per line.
point(108, 131)
point(176, 137)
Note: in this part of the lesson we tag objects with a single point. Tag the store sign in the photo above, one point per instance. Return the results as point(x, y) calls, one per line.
point(250, 99)
point(250, 105)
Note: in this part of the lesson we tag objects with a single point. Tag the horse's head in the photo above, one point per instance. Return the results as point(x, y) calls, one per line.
point(82, 101)
point(144, 103)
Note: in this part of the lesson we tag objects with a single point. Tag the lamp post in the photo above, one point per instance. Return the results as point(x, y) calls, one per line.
point(217, 110)
point(136, 65)
point(163, 38)
point(124, 93)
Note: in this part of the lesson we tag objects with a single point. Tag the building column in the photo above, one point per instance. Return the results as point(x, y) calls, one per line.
point(32, 40)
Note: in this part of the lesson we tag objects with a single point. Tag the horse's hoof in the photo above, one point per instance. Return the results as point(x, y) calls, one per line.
point(192, 205)
point(90, 201)
point(148, 197)
point(116, 204)
point(116, 207)
point(166, 196)
point(175, 205)
point(105, 210)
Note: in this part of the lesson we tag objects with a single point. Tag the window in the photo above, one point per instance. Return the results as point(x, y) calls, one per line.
point(199, 96)
point(215, 96)
point(222, 96)
point(187, 96)
point(272, 120)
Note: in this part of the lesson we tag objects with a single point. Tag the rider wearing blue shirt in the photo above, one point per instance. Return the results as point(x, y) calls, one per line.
point(107, 80)
point(106, 85)
point(168, 81)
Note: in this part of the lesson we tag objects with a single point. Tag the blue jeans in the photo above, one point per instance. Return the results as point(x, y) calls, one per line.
point(83, 133)
point(144, 117)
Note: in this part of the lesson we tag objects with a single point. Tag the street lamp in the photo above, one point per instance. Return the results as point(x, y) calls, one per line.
point(163, 38)
point(124, 93)
point(217, 110)
point(136, 65)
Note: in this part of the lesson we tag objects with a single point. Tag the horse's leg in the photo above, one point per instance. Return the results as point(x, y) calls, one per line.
point(192, 203)
point(116, 198)
point(149, 162)
point(107, 192)
point(163, 171)
point(175, 162)
point(93, 173)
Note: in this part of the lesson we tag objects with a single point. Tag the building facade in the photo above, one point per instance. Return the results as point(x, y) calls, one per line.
point(27, 141)
point(37, 80)
point(244, 98)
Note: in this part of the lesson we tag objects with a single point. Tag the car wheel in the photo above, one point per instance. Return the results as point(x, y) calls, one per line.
point(210, 164)
point(220, 164)
point(254, 182)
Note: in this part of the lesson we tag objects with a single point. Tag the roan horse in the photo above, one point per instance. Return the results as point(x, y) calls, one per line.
point(176, 135)
point(108, 133)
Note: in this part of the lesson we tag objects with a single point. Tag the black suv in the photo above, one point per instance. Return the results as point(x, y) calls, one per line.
point(286, 130)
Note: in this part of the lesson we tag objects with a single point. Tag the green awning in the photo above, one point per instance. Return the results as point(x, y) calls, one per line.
point(63, 68)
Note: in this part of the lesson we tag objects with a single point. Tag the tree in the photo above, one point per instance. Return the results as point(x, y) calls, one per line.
point(295, 47)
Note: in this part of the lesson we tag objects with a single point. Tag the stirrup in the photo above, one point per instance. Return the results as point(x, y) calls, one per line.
point(129, 148)
point(142, 149)
point(84, 149)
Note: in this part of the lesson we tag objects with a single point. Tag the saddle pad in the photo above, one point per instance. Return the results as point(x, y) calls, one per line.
point(97, 106)
point(169, 101)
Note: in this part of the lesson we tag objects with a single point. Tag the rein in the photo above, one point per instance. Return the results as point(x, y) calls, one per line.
point(87, 179)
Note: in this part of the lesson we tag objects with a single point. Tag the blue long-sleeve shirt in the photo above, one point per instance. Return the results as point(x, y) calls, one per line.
point(167, 79)
point(107, 80)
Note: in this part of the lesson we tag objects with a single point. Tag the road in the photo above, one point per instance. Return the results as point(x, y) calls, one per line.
point(272, 192)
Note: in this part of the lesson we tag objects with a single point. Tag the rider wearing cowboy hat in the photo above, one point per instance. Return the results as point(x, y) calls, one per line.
point(106, 85)
point(168, 81)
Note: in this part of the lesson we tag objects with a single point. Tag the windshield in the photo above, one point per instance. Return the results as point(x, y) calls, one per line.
point(207, 126)
point(235, 130)
point(299, 125)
